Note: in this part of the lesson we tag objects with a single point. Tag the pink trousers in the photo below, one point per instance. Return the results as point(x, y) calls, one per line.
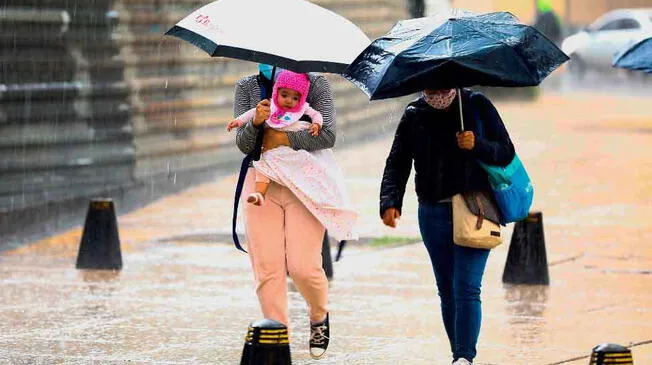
point(284, 237)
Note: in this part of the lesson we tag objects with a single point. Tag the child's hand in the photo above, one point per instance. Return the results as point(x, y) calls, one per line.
point(314, 129)
point(233, 124)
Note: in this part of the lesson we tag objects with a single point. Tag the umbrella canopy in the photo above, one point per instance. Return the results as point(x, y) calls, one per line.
point(457, 50)
point(293, 34)
point(636, 57)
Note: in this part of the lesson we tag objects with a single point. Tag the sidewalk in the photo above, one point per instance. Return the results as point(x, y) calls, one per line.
point(185, 295)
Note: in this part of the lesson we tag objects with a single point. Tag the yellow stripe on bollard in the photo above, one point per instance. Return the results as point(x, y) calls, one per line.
point(273, 330)
point(266, 342)
point(611, 354)
point(100, 204)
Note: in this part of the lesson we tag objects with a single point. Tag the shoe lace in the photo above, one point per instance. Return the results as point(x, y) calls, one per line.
point(317, 335)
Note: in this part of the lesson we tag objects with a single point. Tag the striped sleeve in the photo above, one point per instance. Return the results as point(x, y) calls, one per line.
point(320, 97)
point(242, 102)
point(241, 98)
point(315, 116)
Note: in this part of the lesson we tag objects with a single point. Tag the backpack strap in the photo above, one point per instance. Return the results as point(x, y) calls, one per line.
point(238, 192)
point(244, 167)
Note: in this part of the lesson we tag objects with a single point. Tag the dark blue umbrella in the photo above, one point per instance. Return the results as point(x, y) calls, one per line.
point(459, 50)
point(636, 57)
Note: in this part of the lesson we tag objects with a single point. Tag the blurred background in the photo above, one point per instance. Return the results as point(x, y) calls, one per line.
point(95, 101)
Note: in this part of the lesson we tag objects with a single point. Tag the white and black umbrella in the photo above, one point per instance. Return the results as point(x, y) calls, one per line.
point(292, 34)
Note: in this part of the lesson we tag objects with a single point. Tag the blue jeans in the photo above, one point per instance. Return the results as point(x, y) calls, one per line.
point(458, 272)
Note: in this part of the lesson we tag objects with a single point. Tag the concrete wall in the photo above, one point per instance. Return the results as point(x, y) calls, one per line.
point(94, 100)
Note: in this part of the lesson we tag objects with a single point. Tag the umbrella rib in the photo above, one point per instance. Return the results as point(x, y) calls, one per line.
point(506, 44)
point(482, 34)
point(396, 56)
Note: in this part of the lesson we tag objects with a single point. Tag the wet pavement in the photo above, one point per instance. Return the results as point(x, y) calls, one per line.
point(185, 296)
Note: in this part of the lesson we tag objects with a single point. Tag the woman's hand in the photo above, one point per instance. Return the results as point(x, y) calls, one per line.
point(262, 112)
point(466, 140)
point(391, 217)
point(273, 138)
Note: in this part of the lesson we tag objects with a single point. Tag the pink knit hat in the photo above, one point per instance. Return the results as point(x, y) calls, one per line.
point(291, 80)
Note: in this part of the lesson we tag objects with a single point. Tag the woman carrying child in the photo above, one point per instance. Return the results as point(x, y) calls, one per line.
point(295, 192)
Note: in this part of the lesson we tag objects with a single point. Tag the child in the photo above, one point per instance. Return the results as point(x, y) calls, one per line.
point(289, 95)
point(312, 176)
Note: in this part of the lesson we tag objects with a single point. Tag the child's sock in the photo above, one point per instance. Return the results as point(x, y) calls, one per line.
point(256, 199)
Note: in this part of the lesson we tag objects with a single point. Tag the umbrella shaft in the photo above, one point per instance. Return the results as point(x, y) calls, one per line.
point(459, 96)
point(269, 92)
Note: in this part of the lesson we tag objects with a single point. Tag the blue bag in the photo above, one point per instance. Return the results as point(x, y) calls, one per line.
point(511, 186)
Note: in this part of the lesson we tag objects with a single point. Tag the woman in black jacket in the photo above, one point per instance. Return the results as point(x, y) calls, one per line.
point(445, 162)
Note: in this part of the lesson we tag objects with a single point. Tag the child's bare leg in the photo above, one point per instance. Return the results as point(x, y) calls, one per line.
point(261, 187)
point(262, 184)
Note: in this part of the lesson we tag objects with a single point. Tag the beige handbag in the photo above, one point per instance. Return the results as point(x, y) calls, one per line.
point(475, 230)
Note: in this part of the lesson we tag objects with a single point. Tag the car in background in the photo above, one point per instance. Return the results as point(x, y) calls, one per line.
point(595, 47)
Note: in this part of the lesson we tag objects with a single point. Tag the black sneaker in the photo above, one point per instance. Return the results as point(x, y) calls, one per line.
point(319, 337)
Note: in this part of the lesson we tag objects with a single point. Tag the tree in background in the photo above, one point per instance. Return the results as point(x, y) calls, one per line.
point(548, 22)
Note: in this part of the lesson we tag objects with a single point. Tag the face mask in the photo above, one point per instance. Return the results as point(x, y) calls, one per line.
point(440, 100)
point(266, 70)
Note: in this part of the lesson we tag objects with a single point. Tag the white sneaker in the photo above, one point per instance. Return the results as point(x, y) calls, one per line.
point(462, 361)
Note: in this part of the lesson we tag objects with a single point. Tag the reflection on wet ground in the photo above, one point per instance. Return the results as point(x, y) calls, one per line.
point(184, 297)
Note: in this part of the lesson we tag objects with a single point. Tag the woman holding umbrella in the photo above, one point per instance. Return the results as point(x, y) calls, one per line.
point(290, 239)
point(442, 135)
point(284, 237)
point(444, 161)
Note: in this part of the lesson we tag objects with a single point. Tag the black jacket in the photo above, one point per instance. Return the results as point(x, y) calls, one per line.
point(426, 136)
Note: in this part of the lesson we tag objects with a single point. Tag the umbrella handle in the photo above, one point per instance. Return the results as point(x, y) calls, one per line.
point(459, 96)
point(258, 145)
point(273, 75)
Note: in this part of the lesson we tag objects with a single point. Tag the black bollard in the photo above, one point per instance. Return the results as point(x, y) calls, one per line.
point(266, 343)
point(100, 243)
point(610, 353)
point(326, 259)
point(527, 262)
